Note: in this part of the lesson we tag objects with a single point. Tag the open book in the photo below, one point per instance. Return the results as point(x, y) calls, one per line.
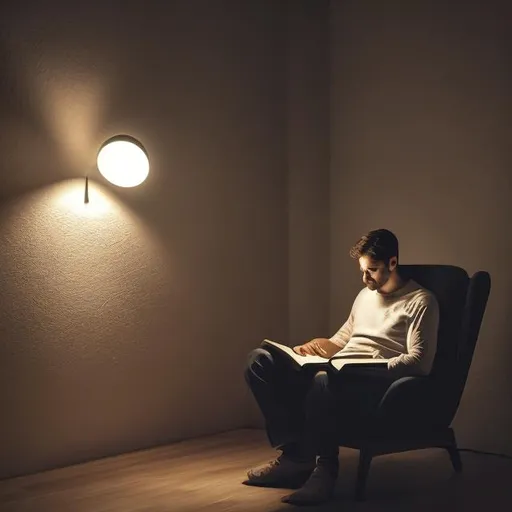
point(335, 363)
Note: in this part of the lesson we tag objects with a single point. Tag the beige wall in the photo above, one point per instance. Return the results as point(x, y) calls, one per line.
point(420, 144)
point(126, 324)
point(308, 168)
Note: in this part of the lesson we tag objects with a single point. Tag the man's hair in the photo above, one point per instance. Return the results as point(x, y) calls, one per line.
point(379, 244)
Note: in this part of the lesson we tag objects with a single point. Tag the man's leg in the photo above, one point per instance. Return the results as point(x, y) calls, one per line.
point(280, 391)
point(335, 402)
point(321, 437)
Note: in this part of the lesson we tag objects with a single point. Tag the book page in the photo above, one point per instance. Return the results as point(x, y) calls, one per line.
point(341, 362)
point(302, 360)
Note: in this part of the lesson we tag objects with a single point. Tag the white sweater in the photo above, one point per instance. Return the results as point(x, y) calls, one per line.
point(400, 326)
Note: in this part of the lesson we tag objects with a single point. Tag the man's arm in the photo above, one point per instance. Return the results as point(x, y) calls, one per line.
point(342, 337)
point(323, 347)
point(327, 347)
point(421, 340)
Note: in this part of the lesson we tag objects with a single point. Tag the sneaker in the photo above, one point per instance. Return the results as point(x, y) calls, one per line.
point(319, 488)
point(281, 473)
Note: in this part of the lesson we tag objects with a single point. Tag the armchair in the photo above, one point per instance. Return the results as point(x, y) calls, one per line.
point(417, 412)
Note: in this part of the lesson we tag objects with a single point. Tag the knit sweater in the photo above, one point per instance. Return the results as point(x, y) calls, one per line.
point(400, 326)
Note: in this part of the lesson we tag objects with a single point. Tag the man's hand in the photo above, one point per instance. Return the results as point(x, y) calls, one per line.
point(314, 347)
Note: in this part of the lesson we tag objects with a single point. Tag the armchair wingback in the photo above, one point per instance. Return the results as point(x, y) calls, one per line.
point(426, 406)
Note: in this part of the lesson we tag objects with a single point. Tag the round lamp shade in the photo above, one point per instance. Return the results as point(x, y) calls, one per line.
point(123, 161)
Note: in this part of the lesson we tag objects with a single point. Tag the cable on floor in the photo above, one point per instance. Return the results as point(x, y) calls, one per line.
point(482, 452)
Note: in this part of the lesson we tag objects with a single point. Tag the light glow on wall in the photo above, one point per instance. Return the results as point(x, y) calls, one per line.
point(77, 276)
point(71, 198)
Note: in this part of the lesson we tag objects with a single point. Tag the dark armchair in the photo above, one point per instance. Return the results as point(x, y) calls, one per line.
point(417, 412)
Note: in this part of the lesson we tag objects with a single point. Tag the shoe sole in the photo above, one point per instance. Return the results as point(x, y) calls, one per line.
point(278, 483)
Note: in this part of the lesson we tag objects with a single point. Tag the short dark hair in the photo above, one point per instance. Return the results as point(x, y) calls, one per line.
point(379, 244)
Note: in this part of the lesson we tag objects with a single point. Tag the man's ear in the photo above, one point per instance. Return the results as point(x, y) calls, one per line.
point(393, 263)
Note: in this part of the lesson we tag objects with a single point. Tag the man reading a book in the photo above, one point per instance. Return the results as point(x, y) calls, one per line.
point(392, 318)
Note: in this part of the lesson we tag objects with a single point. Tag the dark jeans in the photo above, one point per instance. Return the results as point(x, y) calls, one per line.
point(305, 411)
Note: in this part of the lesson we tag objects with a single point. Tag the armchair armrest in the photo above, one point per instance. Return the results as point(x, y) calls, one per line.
point(407, 399)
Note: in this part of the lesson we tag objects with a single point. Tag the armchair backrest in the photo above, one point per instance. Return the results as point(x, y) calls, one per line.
point(462, 302)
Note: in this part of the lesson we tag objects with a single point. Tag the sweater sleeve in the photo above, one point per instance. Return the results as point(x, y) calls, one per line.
point(342, 337)
point(421, 339)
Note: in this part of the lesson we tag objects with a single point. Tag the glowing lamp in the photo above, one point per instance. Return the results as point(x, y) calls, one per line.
point(123, 161)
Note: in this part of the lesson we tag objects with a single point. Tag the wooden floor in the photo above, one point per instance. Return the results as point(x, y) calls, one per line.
point(205, 474)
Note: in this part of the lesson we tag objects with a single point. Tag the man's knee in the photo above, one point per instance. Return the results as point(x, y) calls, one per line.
point(259, 362)
point(321, 381)
point(319, 394)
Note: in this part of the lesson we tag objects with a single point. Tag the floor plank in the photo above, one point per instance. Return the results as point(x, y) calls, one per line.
point(205, 475)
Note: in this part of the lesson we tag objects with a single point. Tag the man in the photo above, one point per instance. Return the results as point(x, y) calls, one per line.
point(392, 318)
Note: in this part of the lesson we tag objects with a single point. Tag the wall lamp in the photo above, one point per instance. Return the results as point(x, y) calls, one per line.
point(123, 161)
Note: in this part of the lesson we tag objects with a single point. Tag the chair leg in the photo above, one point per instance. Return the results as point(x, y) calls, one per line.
point(365, 459)
point(454, 454)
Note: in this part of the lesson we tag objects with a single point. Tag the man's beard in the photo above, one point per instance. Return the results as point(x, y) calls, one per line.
point(374, 285)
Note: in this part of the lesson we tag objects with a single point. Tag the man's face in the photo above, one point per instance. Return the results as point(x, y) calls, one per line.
point(375, 273)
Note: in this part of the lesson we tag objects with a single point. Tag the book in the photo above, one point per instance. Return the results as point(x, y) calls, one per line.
point(335, 363)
